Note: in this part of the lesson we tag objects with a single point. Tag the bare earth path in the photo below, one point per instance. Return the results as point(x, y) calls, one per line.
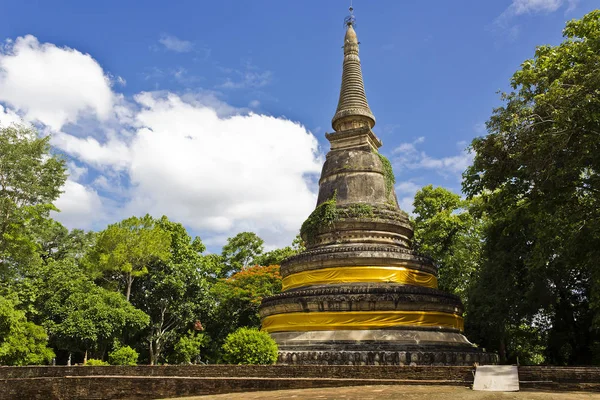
point(399, 392)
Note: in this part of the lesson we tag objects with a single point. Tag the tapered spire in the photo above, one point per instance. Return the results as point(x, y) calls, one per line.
point(353, 109)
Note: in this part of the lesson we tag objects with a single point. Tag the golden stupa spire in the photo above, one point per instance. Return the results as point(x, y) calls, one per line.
point(353, 109)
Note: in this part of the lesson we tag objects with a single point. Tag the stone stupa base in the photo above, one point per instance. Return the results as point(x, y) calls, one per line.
point(380, 347)
point(412, 358)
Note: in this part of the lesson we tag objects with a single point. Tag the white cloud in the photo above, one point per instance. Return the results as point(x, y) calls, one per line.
point(80, 206)
point(217, 169)
point(173, 43)
point(251, 77)
point(75, 171)
point(8, 117)
point(52, 85)
point(406, 191)
point(113, 153)
point(519, 7)
point(407, 156)
point(522, 7)
point(221, 173)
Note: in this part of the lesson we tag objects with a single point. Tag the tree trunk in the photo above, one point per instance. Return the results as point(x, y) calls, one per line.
point(69, 360)
point(85, 357)
point(129, 283)
point(151, 352)
point(502, 351)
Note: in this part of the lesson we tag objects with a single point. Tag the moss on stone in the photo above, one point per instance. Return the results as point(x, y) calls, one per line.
point(388, 174)
point(359, 211)
point(324, 215)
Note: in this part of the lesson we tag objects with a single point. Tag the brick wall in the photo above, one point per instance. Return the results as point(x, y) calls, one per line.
point(260, 371)
point(146, 382)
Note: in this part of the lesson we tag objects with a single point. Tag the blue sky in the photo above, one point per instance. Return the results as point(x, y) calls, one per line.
point(214, 113)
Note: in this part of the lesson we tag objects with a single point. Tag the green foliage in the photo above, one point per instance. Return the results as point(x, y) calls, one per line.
point(30, 180)
point(124, 355)
point(275, 257)
point(93, 362)
point(92, 317)
point(324, 214)
point(537, 174)
point(241, 251)
point(388, 174)
point(187, 349)
point(58, 243)
point(238, 297)
point(172, 291)
point(249, 346)
point(124, 250)
point(21, 342)
point(358, 211)
point(447, 232)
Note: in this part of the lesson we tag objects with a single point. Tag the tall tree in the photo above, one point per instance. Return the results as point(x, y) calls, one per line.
point(172, 292)
point(30, 180)
point(124, 251)
point(537, 172)
point(238, 297)
point(241, 251)
point(79, 315)
point(447, 231)
point(55, 242)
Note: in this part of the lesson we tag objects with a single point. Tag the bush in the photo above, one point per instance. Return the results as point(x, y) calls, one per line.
point(249, 346)
point(187, 349)
point(93, 362)
point(123, 356)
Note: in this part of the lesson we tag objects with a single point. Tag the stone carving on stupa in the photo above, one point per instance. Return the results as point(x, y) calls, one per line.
point(359, 294)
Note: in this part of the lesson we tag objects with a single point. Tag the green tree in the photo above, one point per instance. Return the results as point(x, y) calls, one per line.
point(249, 346)
point(79, 315)
point(93, 319)
point(241, 251)
point(21, 342)
point(238, 297)
point(171, 292)
point(537, 173)
point(55, 242)
point(277, 256)
point(30, 180)
point(123, 251)
point(447, 231)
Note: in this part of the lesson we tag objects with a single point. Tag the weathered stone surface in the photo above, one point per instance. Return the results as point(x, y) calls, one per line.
point(359, 269)
point(150, 382)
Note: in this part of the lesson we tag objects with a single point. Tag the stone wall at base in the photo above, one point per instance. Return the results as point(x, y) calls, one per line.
point(150, 382)
point(246, 371)
point(144, 387)
point(401, 358)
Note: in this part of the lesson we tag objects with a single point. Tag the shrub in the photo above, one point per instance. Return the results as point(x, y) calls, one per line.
point(187, 349)
point(93, 362)
point(249, 346)
point(123, 356)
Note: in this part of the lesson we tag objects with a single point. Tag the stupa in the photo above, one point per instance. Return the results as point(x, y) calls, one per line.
point(359, 294)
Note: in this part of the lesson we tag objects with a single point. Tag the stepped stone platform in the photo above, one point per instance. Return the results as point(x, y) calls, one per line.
point(151, 382)
point(359, 294)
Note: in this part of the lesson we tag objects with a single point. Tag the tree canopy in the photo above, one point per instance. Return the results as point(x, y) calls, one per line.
point(30, 180)
point(536, 173)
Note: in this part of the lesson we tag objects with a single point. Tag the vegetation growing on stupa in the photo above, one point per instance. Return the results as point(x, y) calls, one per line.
point(388, 174)
point(521, 249)
point(324, 215)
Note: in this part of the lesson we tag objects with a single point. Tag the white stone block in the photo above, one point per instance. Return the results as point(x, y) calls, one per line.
point(497, 378)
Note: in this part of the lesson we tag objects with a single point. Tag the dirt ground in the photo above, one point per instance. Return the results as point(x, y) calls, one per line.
point(399, 392)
